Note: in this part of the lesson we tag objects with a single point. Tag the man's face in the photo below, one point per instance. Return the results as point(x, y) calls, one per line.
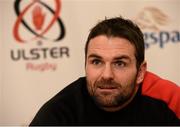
point(111, 71)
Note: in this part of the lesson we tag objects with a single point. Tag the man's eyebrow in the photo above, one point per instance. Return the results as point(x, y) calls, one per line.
point(116, 58)
point(94, 56)
point(122, 57)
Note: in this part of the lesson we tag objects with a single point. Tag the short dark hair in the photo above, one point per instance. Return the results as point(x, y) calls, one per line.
point(120, 27)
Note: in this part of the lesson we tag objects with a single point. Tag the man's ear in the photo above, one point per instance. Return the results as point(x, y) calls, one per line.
point(141, 72)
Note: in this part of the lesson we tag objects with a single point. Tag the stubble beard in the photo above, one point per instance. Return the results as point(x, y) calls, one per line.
point(114, 99)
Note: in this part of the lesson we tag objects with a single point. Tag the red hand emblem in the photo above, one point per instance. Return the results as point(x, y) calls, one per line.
point(38, 17)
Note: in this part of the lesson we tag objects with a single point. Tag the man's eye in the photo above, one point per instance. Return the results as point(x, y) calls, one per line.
point(96, 62)
point(120, 64)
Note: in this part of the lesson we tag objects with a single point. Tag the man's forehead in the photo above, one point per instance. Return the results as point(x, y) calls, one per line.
point(104, 42)
point(114, 47)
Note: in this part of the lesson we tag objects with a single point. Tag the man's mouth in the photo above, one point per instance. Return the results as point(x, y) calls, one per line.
point(107, 89)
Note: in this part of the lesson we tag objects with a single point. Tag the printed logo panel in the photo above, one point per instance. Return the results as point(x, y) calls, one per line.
point(153, 23)
point(38, 18)
point(37, 21)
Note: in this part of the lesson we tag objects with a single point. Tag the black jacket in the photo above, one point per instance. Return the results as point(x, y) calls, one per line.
point(74, 106)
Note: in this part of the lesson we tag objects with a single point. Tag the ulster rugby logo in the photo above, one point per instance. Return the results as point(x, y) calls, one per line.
point(38, 26)
point(39, 21)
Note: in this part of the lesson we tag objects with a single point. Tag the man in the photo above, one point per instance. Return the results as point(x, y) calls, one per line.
point(110, 94)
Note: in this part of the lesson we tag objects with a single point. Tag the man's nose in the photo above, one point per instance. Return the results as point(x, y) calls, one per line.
point(107, 72)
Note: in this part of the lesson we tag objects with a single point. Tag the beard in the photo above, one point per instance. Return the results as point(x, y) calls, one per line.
point(108, 93)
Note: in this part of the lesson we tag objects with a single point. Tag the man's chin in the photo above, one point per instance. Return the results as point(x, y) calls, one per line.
point(105, 100)
point(107, 105)
point(110, 102)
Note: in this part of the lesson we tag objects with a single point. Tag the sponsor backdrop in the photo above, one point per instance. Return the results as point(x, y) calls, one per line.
point(42, 46)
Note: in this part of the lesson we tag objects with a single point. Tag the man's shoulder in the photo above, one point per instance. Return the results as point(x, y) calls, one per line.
point(162, 89)
point(69, 95)
point(72, 90)
point(157, 109)
point(63, 105)
point(74, 87)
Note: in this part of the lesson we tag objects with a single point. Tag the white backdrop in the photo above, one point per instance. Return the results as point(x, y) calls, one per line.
point(28, 81)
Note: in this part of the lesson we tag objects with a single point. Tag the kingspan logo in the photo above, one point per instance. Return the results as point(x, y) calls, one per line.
point(153, 22)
